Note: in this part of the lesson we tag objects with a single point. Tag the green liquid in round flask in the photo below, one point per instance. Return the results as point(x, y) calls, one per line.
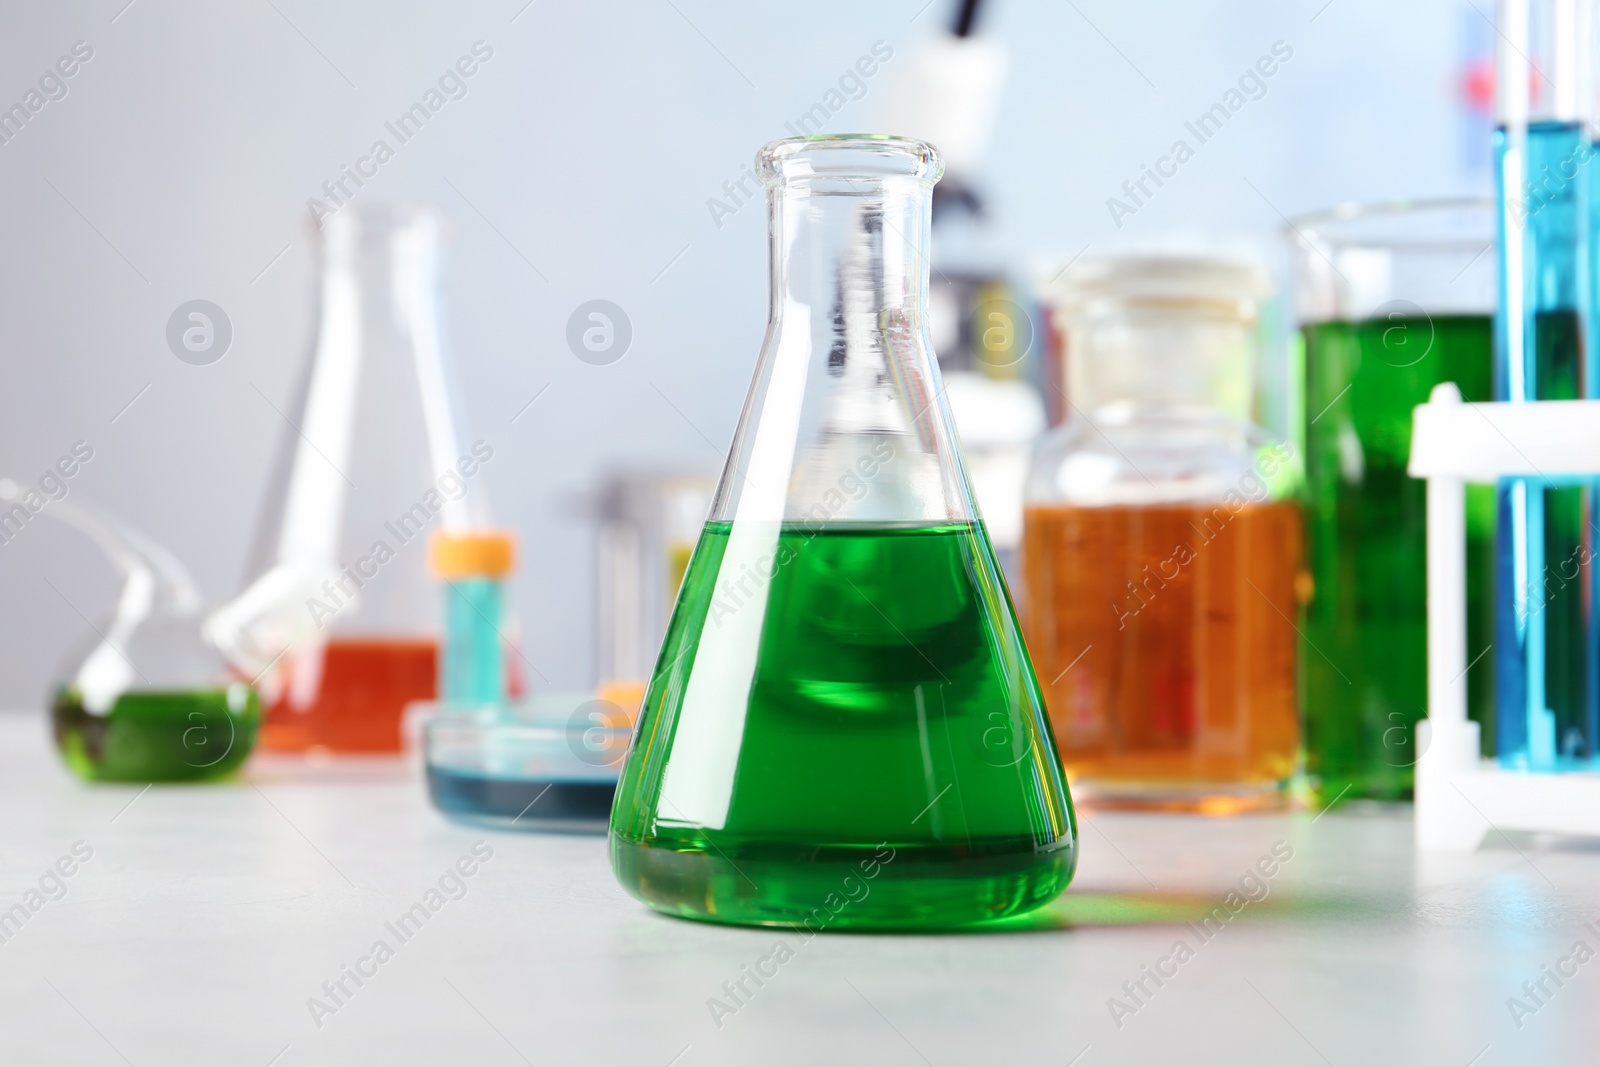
point(145, 697)
point(843, 729)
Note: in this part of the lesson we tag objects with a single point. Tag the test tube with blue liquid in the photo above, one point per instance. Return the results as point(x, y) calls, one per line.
point(1544, 642)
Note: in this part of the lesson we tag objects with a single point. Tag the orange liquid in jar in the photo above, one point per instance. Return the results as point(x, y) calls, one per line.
point(1164, 642)
point(365, 687)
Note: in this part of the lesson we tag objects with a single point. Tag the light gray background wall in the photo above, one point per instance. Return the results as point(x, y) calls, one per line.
point(180, 162)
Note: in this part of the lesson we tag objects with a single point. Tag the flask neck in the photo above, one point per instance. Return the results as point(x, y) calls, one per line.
point(383, 260)
point(382, 307)
point(850, 262)
point(845, 420)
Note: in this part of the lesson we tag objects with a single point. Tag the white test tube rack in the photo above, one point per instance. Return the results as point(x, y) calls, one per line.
point(1460, 796)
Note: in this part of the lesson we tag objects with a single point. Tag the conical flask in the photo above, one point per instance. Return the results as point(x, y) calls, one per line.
point(843, 728)
point(338, 622)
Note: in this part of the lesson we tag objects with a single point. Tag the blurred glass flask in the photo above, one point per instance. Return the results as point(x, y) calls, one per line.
point(146, 700)
point(646, 525)
point(843, 728)
point(340, 616)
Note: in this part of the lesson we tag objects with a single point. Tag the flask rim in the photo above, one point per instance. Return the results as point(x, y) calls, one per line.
point(849, 157)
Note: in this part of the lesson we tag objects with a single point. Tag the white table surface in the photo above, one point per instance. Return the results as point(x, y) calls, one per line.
point(207, 916)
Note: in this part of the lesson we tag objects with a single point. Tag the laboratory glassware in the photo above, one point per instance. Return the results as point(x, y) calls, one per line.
point(984, 331)
point(339, 617)
point(1545, 652)
point(843, 728)
point(146, 699)
point(1392, 300)
point(1161, 545)
point(646, 525)
point(546, 763)
point(473, 567)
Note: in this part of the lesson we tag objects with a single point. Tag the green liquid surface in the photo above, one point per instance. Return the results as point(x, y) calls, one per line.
point(843, 730)
point(158, 736)
point(1364, 661)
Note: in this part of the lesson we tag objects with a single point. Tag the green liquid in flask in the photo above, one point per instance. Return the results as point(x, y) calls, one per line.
point(846, 735)
point(158, 736)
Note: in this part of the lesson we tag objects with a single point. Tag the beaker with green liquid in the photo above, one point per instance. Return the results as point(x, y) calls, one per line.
point(1392, 299)
point(843, 728)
